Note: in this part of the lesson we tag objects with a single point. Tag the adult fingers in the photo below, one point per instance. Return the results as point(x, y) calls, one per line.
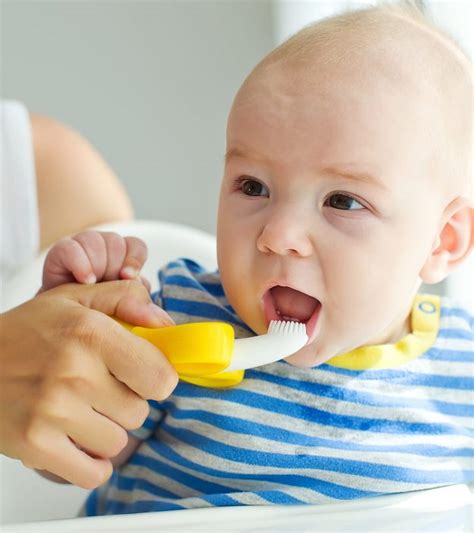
point(127, 300)
point(132, 311)
point(146, 283)
point(132, 360)
point(55, 452)
point(94, 432)
point(114, 400)
point(140, 365)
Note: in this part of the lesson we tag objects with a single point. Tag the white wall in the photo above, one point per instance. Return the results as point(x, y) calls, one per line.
point(456, 17)
point(292, 15)
point(149, 83)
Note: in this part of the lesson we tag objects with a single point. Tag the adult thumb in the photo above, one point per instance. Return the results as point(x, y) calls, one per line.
point(127, 300)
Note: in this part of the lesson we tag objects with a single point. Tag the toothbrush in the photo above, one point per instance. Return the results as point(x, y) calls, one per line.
point(206, 353)
point(282, 339)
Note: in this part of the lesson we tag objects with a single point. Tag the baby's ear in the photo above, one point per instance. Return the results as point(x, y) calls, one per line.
point(453, 243)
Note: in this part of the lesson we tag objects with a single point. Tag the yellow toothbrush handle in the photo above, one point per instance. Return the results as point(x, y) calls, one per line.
point(198, 351)
point(221, 380)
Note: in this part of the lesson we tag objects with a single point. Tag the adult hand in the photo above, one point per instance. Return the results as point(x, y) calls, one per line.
point(73, 380)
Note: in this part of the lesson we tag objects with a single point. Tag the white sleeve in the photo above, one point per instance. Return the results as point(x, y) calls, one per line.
point(19, 219)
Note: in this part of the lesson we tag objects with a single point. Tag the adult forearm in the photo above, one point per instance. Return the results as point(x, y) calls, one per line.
point(76, 187)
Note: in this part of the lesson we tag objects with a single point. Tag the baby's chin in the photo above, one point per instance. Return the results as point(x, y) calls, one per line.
point(307, 357)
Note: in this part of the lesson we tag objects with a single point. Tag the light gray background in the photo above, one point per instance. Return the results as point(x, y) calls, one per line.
point(148, 83)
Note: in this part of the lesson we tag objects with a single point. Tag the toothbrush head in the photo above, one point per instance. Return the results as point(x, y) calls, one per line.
point(282, 339)
point(284, 327)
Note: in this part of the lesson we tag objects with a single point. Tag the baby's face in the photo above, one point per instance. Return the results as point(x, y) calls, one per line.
point(328, 207)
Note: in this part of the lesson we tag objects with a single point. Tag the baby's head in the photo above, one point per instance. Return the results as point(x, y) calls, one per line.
point(347, 179)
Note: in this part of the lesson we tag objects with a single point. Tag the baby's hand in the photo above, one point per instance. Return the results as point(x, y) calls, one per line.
point(92, 256)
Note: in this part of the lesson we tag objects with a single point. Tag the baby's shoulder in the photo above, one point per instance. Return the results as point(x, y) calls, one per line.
point(191, 293)
point(184, 275)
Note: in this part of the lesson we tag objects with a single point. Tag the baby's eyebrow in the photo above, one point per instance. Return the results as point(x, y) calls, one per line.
point(366, 177)
point(335, 171)
point(238, 152)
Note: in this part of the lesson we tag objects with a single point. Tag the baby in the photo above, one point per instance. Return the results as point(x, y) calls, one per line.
point(346, 185)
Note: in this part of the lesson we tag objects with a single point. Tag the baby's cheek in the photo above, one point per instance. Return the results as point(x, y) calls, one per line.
point(242, 297)
point(352, 223)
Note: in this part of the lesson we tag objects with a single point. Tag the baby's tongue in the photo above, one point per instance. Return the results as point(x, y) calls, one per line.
point(291, 303)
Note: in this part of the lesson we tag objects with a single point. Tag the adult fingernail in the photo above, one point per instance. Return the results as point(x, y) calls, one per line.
point(162, 315)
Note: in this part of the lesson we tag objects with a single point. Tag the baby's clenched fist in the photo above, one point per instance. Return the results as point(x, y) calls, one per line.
point(92, 256)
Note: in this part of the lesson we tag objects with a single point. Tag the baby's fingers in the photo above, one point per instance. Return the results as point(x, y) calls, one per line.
point(66, 262)
point(135, 258)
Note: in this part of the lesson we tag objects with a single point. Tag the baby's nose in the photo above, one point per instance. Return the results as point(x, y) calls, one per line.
point(285, 233)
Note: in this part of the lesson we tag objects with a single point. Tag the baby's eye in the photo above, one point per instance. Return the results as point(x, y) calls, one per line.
point(343, 202)
point(252, 187)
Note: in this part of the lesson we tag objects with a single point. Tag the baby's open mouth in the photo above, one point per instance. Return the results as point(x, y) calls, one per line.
point(285, 303)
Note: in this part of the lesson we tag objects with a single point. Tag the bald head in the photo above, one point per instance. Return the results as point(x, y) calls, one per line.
point(388, 48)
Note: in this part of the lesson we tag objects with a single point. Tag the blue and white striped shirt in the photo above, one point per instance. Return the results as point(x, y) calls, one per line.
point(288, 435)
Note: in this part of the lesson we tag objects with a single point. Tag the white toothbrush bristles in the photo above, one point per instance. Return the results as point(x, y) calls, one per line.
point(282, 339)
point(285, 327)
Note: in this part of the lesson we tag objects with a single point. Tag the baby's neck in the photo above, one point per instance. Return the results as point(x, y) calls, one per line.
point(397, 330)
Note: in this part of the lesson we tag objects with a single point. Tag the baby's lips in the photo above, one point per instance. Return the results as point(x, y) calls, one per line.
point(161, 315)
